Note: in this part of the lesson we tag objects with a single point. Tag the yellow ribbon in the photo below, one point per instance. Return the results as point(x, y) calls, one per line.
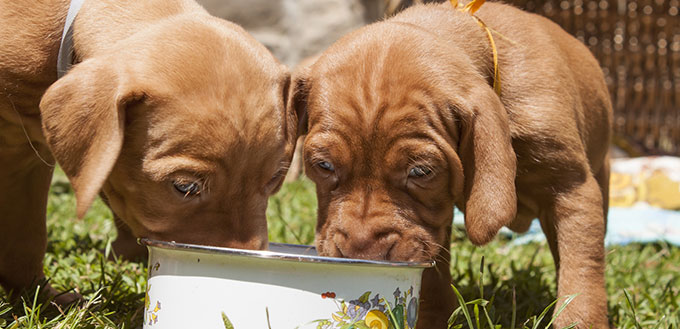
point(470, 9)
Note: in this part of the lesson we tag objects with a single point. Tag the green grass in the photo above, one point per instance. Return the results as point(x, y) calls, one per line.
point(642, 280)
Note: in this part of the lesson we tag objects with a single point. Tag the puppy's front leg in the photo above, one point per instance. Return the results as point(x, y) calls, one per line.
point(24, 185)
point(575, 227)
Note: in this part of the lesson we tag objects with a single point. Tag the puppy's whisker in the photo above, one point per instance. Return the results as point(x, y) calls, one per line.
point(432, 249)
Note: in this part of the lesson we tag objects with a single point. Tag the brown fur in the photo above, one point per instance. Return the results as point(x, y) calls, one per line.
point(163, 93)
point(416, 90)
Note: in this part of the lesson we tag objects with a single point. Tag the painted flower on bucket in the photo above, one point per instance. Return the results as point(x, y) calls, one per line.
point(412, 312)
point(377, 320)
point(151, 314)
point(357, 310)
point(373, 313)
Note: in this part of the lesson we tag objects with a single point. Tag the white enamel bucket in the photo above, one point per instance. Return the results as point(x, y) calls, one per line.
point(286, 287)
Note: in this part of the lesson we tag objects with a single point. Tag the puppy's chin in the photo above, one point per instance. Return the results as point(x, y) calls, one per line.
point(208, 239)
point(171, 229)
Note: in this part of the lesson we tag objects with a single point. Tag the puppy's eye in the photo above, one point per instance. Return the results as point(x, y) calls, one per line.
point(187, 188)
point(276, 180)
point(325, 165)
point(419, 171)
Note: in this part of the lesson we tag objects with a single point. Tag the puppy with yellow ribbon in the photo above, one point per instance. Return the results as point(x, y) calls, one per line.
point(407, 118)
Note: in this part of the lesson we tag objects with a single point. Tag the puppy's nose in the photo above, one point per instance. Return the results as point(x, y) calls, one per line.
point(365, 242)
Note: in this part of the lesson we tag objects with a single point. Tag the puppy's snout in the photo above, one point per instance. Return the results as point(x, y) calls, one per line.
point(366, 242)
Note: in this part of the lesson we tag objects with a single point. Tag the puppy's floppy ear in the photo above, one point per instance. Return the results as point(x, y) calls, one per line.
point(299, 91)
point(83, 117)
point(489, 165)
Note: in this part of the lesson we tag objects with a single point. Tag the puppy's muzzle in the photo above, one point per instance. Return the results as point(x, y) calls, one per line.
point(366, 242)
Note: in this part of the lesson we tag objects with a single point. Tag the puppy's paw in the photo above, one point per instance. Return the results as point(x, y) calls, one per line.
point(62, 299)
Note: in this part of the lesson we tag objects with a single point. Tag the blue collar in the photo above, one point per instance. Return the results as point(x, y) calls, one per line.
point(65, 57)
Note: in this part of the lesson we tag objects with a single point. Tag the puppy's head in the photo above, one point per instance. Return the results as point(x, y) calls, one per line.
point(184, 130)
point(401, 127)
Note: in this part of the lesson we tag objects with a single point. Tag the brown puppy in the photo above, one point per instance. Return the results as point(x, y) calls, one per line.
point(403, 123)
point(177, 116)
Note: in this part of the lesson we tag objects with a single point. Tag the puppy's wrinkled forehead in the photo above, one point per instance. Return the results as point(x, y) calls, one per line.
point(372, 90)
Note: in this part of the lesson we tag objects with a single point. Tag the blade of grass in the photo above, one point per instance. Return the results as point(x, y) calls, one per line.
point(481, 291)
point(286, 224)
point(631, 305)
point(462, 304)
point(537, 320)
point(567, 300)
point(488, 318)
point(514, 308)
point(78, 314)
point(30, 312)
point(661, 321)
point(4, 308)
point(481, 278)
point(453, 318)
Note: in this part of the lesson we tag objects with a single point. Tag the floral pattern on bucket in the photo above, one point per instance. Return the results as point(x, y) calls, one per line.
point(151, 315)
point(373, 313)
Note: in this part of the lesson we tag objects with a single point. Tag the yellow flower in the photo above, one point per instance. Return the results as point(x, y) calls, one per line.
point(336, 318)
point(377, 320)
